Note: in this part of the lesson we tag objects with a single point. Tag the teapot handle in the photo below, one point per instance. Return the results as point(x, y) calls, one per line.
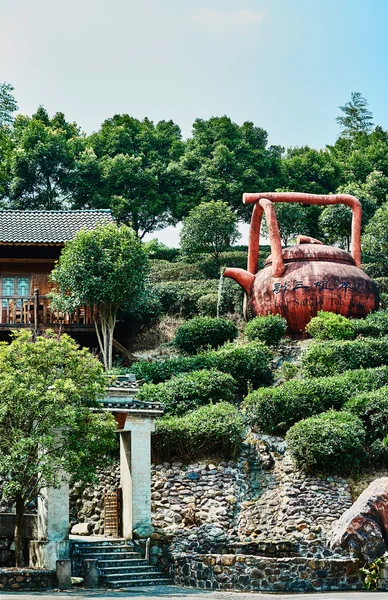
point(263, 203)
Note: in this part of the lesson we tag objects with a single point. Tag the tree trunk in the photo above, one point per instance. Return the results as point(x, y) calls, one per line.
point(18, 534)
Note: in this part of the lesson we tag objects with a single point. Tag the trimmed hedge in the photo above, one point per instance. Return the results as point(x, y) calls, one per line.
point(375, 269)
point(163, 270)
point(188, 391)
point(269, 329)
point(330, 326)
point(374, 325)
point(204, 332)
point(275, 410)
point(332, 442)
point(331, 358)
point(247, 363)
point(214, 429)
point(181, 298)
point(207, 305)
point(372, 409)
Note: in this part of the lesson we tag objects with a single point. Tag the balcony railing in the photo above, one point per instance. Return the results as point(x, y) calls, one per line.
point(34, 311)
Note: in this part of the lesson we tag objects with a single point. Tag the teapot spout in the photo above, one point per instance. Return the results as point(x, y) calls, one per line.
point(242, 277)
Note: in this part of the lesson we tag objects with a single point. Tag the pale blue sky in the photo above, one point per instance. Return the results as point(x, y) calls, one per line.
point(286, 65)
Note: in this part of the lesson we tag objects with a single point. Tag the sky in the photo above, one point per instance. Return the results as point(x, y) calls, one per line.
point(286, 65)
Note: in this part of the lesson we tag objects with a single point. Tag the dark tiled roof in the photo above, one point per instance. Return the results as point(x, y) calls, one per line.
point(48, 226)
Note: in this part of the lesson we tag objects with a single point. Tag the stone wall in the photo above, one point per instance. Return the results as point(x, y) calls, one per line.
point(27, 579)
point(259, 497)
point(253, 573)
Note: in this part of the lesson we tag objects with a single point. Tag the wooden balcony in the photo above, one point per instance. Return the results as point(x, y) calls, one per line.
point(35, 312)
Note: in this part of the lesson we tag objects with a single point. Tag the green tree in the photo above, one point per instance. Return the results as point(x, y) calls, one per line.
point(45, 385)
point(7, 104)
point(139, 178)
point(106, 270)
point(223, 160)
point(210, 228)
point(43, 161)
point(375, 239)
point(335, 221)
point(356, 117)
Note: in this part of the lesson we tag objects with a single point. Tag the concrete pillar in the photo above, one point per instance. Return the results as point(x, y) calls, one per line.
point(53, 528)
point(126, 483)
point(91, 573)
point(64, 574)
point(141, 470)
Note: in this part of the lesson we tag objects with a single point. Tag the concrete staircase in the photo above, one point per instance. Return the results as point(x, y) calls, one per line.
point(119, 565)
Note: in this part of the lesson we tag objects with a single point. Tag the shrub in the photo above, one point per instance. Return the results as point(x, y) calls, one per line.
point(159, 251)
point(204, 332)
point(269, 329)
point(207, 305)
point(274, 410)
point(163, 270)
point(329, 326)
point(383, 305)
point(247, 363)
point(372, 409)
point(332, 442)
point(188, 391)
point(181, 298)
point(213, 429)
point(382, 282)
point(331, 358)
point(376, 269)
point(374, 325)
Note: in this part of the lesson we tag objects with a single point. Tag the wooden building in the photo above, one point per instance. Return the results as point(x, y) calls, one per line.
point(30, 244)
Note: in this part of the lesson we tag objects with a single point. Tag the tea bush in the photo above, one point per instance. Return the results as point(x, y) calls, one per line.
point(275, 410)
point(207, 305)
point(163, 270)
point(204, 332)
point(330, 358)
point(332, 442)
point(181, 297)
point(374, 325)
point(330, 326)
point(269, 329)
point(372, 409)
point(376, 269)
point(187, 391)
point(382, 282)
point(159, 251)
point(247, 363)
point(214, 429)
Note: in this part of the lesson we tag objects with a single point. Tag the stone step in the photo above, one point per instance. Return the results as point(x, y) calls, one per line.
point(124, 563)
point(103, 548)
point(140, 582)
point(125, 576)
point(102, 555)
point(128, 571)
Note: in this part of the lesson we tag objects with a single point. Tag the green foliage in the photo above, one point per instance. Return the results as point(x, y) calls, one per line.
point(355, 118)
point(48, 384)
point(331, 358)
point(247, 363)
point(274, 410)
point(374, 325)
point(269, 329)
point(162, 270)
point(372, 409)
point(104, 269)
point(330, 326)
point(231, 258)
point(207, 305)
point(188, 391)
point(7, 104)
point(156, 250)
point(376, 269)
point(332, 442)
point(204, 332)
point(372, 574)
point(375, 238)
point(214, 429)
point(210, 228)
point(382, 282)
point(181, 298)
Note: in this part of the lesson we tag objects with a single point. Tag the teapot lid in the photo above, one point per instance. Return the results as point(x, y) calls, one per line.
point(314, 252)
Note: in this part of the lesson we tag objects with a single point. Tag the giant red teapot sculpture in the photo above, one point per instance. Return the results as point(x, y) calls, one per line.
point(299, 281)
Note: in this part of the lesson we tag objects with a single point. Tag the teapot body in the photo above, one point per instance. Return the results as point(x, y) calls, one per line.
point(307, 286)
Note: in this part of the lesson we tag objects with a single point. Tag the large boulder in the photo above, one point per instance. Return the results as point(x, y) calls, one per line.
point(363, 528)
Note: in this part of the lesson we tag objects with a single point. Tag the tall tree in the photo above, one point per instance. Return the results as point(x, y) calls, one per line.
point(210, 228)
point(45, 385)
point(356, 117)
point(7, 104)
point(106, 270)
